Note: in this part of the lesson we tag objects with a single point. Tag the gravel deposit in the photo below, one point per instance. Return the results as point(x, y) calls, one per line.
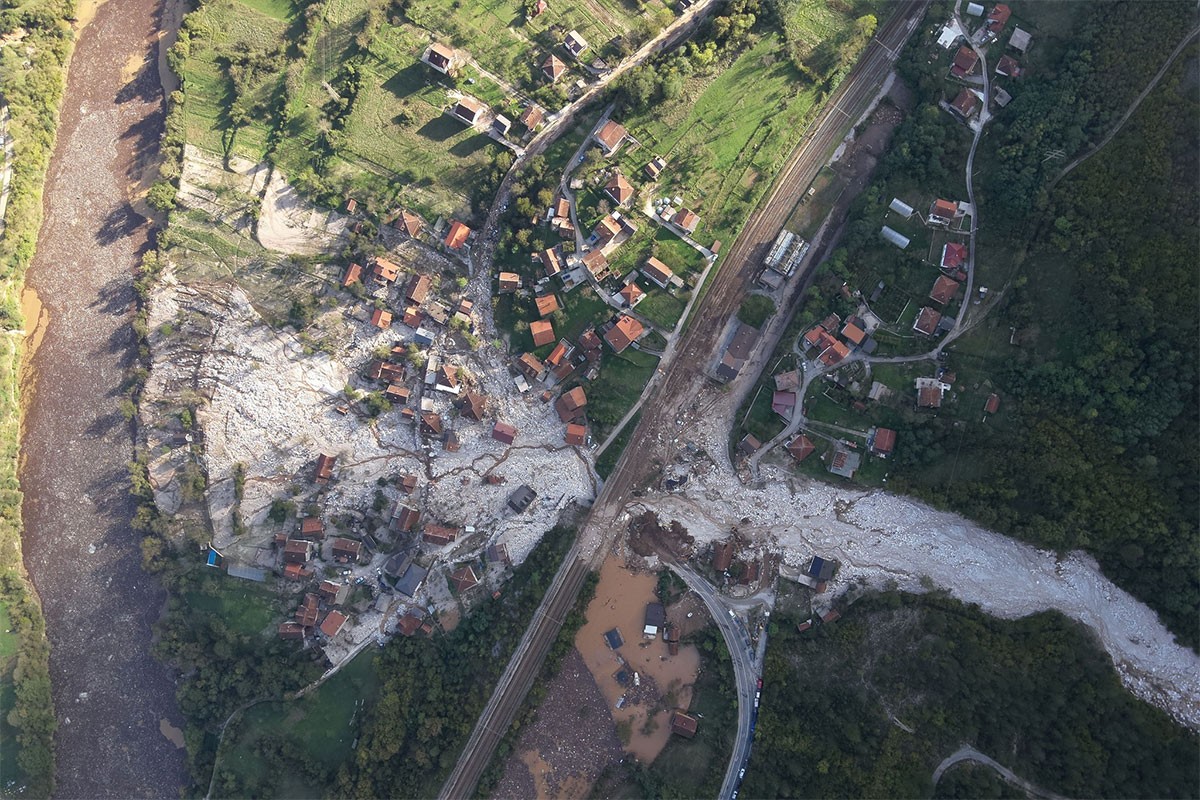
point(881, 538)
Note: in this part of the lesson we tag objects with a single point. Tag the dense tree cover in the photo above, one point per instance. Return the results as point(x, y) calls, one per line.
point(755, 310)
point(434, 689)
point(33, 67)
point(1036, 694)
point(1097, 447)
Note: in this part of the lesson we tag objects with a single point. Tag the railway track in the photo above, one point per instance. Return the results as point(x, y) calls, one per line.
point(686, 376)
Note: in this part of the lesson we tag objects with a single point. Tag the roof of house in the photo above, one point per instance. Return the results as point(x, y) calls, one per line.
point(611, 135)
point(503, 432)
point(965, 102)
point(605, 229)
point(943, 290)
point(821, 568)
point(927, 321)
point(509, 281)
point(471, 405)
point(929, 397)
point(1019, 40)
point(993, 403)
point(749, 444)
point(325, 467)
point(418, 288)
point(835, 352)
point(553, 67)
point(291, 630)
point(619, 188)
point(409, 624)
point(521, 497)
point(655, 614)
point(432, 422)
point(532, 116)
point(576, 434)
point(570, 405)
point(946, 209)
point(464, 578)
point(312, 526)
point(381, 318)
point(438, 534)
point(346, 547)
point(405, 518)
point(353, 274)
point(457, 236)
point(998, 17)
point(623, 333)
point(501, 123)
point(782, 402)
point(683, 724)
point(844, 462)
point(308, 611)
point(657, 271)
point(331, 589)
point(547, 304)
point(596, 262)
point(1009, 66)
point(965, 61)
point(333, 623)
point(468, 107)
point(631, 293)
point(385, 270)
point(498, 554)
point(884, 441)
point(551, 261)
point(686, 219)
point(530, 365)
point(542, 332)
point(438, 51)
point(853, 333)
point(412, 223)
point(575, 42)
point(801, 447)
point(953, 255)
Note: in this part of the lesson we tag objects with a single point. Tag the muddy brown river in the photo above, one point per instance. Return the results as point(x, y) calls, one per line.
point(115, 704)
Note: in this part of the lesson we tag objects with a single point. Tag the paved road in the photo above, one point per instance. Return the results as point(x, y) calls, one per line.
point(968, 753)
point(683, 375)
point(747, 669)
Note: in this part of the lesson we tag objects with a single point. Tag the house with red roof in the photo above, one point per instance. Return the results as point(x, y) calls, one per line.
point(623, 333)
point(953, 255)
point(610, 137)
point(457, 236)
point(943, 290)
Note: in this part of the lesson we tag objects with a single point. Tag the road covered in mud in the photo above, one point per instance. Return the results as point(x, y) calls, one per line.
point(118, 733)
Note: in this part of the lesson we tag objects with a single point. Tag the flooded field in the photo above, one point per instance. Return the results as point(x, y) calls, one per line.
point(663, 682)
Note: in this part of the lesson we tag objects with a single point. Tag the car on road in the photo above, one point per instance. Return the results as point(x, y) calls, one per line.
point(760, 684)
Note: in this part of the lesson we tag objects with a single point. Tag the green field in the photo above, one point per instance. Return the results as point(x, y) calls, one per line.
point(244, 606)
point(318, 730)
point(725, 136)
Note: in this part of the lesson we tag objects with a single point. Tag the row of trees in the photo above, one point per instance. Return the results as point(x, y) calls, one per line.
point(33, 70)
point(927, 673)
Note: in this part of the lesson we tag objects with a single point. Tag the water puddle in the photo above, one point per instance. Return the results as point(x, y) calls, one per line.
point(173, 734)
point(663, 682)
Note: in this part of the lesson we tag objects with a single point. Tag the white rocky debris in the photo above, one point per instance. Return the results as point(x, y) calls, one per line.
point(882, 538)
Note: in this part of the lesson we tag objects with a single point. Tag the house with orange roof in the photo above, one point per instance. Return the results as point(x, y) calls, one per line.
point(542, 332)
point(624, 332)
point(547, 304)
point(619, 189)
point(457, 236)
point(631, 294)
point(610, 137)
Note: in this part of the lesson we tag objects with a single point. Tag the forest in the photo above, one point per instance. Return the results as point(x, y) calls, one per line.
point(1097, 448)
point(869, 705)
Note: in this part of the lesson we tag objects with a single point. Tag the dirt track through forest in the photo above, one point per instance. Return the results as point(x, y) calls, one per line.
point(115, 704)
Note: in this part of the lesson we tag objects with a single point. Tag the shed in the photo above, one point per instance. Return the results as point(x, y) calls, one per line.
point(613, 638)
point(683, 724)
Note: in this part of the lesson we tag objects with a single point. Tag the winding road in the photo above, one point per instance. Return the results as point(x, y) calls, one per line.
point(968, 753)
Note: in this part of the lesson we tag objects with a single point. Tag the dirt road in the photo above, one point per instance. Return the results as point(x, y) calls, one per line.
point(114, 702)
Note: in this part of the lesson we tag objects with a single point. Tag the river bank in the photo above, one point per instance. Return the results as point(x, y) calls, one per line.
point(114, 702)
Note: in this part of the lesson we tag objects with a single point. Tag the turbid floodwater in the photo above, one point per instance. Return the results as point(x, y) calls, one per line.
point(118, 733)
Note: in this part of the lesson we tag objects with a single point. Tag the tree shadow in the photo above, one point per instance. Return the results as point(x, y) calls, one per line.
point(407, 81)
point(119, 223)
point(144, 86)
point(470, 146)
point(441, 128)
